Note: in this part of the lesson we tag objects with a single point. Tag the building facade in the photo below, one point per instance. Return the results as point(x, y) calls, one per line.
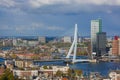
point(96, 27)
point(119, 46)
point(67, 39)
point(54, 69)
point(101, 43)
point(42, 39)
point(25, 74)
point(115, 46)
point(23, 63)
point(114, 75)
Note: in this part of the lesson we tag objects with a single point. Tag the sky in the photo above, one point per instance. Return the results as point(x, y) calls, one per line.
point(57, 17)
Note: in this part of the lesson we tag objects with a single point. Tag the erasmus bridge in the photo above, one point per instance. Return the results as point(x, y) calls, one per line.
point(73, 48)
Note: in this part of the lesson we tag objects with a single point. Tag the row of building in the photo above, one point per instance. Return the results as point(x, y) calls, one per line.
point(26, 70)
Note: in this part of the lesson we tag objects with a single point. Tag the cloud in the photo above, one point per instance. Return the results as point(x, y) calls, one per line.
point(7, 3)
point(40, 3)
point(31, 27)
point(55, 28)
point(58, 6)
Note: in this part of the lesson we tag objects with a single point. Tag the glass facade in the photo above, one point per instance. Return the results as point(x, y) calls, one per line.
point(96, 27)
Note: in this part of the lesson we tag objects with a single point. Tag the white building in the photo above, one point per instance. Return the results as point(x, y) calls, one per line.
point(42, 39)
point(110, 51)
point(67, 39)
point(54, 69)
point(96, 27)
point(114, 75)
point(32, 43)
point(14, 42)
point(25, 74)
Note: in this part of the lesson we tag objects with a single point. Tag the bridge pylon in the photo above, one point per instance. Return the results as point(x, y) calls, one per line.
point(74, 45)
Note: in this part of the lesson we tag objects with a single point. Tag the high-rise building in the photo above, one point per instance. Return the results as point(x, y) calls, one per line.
point(67, 39)
point(119, 46)
point(115, 46)
point(42, 39)
point(96, 27)
point(101, 44)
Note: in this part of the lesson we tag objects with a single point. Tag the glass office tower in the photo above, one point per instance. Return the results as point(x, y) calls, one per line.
point(96, 27)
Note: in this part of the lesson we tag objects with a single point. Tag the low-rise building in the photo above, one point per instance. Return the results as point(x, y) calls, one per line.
point(2, 54)
point(67, 39)
point(115, 75)
point(9, 64)
point(26, 55)
point(42, 39)
point(54, 69)
point(25, 74)
point(32, 43)
point(95, 76)
point(23, 63)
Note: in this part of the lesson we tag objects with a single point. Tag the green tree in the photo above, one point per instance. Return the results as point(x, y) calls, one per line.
point(59, 73)
point(13, 56)
point(45, 67)
point(78, 73)
point(71, 74)
point(8, 75)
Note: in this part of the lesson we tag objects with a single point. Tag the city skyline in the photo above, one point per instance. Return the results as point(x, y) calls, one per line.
point(57, 18)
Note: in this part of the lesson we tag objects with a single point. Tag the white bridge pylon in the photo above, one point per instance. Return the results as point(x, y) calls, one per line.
point(74, 46)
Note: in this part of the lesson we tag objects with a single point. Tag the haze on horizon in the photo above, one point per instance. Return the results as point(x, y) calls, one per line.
point(57, 17)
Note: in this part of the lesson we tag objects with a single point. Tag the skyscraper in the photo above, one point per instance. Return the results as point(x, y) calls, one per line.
point(101, 44)
point(96, 27)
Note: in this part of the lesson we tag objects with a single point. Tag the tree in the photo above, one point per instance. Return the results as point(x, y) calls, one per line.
point(8, 75)
point(78, 73)
point(45, 67)
point(13, 56)
point(69, 72)
point(59, 73)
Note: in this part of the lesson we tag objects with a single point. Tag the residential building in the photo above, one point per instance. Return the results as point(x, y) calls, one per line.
point(32, 43)
point(115, 46)
point(25, 74)
point(54, 69)
point(101, 44)
point(114, 75)
point(26, 55)
point(119, 46)
point(9, 64)
point(14, 42)
point(67, 39)
point(23, 63)
point(42, 39)
point(95, 76)
point(96, 27)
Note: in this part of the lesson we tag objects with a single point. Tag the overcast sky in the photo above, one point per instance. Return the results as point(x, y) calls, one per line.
point(57, 17)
